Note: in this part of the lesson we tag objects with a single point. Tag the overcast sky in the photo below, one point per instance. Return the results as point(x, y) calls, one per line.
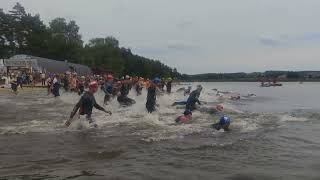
point(200, 36)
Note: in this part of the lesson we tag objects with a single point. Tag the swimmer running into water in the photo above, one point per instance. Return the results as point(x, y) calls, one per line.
point(108, 88)
point(187, 115)
point(123, 98)
point(151, 96)
point(86, 104)
point(194, 98)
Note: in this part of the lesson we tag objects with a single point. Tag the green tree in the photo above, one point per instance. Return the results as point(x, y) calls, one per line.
point(17, 16)
point(108, 41)
point(37, 37)
point(64, 40)
point(111, 42)
point(7, 45)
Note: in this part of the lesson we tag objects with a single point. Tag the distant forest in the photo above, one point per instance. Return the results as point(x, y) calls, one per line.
point(24, 33)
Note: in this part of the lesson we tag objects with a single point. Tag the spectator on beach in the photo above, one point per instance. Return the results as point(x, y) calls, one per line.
point(32, 80)
point(43, 79)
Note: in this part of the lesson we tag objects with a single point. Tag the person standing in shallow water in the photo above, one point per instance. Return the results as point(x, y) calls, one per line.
point(49, 84)
point(14, 86)
point(43, 78)
point(108, 88)
point(139, 87)
point(86, 104)
point(123, 98)
point(66, 82)
point(56, 86)
point(151, 96)
point(20, 81)
point(169, 85)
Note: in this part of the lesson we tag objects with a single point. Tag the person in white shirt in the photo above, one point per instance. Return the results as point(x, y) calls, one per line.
point(43, 79)
point(49, 83)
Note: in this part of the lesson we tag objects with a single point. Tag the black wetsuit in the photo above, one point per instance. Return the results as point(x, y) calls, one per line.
point(192, 100)
point(55, 89)
point(169, 85)
point(14, 87)
point(65, 83)
point(124, 89)
point(151, 99)
point(19, 81)
point(123, 98)
point(86, 104)
point(107, 89)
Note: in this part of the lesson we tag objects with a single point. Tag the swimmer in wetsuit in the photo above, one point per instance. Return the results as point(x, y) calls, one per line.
point(108, 88)
point(169, 85)
point(86, 104)
point(14, 86)
point(55, 86)
point(224, 123)
point(151, 96)
point(194, 98)
point(123, 98)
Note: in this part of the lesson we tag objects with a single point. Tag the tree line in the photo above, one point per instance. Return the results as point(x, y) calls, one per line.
point(24, 33)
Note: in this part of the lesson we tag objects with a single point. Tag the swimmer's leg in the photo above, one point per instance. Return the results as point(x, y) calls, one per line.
point(91, 121)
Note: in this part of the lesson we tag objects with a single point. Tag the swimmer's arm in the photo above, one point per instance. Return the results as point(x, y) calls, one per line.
point(198, 102)
point(97, 106)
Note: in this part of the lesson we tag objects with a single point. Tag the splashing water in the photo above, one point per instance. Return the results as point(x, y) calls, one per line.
point(264, 130)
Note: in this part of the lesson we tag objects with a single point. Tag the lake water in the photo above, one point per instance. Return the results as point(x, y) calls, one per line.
point(274, 135)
